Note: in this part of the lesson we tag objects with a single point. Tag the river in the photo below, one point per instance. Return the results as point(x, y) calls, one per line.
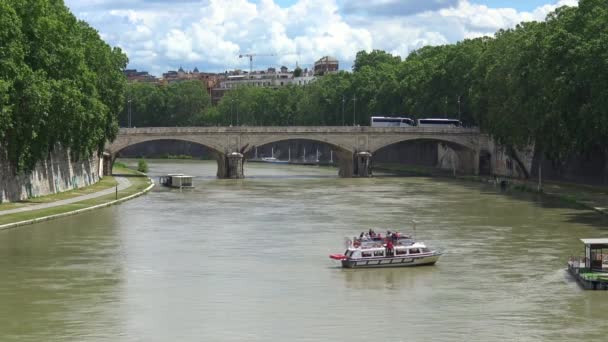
point(247, 260)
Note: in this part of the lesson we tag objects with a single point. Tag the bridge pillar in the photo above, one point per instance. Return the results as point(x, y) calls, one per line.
point(234, 165)
point(362, 164)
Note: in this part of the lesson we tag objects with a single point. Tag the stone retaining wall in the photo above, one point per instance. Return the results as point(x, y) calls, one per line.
point(58, 173)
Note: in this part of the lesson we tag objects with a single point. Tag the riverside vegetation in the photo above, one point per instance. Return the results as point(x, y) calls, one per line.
point(60, 83)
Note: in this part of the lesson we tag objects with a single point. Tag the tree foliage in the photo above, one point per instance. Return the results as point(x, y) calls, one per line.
point(59, 83)
point(540, 83)
point(176, 104)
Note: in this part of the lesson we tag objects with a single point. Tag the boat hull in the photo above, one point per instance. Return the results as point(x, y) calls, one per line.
point(391, 262)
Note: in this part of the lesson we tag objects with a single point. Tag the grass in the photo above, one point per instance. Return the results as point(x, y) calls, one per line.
point(106, 182)
point(138, 181)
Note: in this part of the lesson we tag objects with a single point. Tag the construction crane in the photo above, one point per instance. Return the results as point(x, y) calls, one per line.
point(251, 55)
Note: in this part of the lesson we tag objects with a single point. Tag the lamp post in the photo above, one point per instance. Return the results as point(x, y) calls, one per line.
point(354, 109)
point(458, 107)
point(237, 111)
point(343, 110)
point(231, 111)
point(129, 114)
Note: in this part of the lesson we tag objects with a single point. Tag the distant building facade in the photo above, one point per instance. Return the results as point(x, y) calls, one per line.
point(269, 78)
point(139, 76)
point(218, 84)
point(326, 65)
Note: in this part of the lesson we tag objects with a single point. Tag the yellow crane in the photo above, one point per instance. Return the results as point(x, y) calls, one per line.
point(251, 55)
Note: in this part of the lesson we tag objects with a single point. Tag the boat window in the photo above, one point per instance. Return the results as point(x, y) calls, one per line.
point(400, 252)
point(426, 250)
point(414, 251)
point(378, 253)
point(349, 253)
point(366, 254)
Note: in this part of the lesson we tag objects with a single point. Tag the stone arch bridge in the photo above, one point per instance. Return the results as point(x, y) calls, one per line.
point(354, 146)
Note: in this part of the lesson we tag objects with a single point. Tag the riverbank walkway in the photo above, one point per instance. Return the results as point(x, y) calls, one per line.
point(592, 197)
point(123, 183)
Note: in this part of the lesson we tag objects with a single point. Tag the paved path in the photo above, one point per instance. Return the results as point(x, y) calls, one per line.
point(123, 183)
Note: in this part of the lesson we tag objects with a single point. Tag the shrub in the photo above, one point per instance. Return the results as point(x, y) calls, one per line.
point(142, 166)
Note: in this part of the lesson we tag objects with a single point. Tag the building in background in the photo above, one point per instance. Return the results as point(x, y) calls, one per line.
point(218, 84)
point(326, 65)
point(268, 78)
point(139, 76)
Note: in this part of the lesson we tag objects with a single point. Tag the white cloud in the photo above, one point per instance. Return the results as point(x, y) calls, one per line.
point(211, 34)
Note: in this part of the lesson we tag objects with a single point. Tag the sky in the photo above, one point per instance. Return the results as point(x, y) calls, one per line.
point(162, 35)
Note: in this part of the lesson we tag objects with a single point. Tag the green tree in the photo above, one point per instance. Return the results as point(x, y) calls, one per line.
point(60, 84)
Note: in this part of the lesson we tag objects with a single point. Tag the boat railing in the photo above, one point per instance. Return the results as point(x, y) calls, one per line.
point(577, 262)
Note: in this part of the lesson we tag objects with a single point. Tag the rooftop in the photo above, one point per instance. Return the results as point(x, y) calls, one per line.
point(595, 241)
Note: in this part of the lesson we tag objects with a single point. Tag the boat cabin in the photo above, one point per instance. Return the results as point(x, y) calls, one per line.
point(596, 254)
point(177, 180)
point(380, 252)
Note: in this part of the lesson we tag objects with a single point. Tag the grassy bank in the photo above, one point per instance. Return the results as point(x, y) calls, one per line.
point(138, 181)
point(592, 197)
point(106, 182)
point(411, 170)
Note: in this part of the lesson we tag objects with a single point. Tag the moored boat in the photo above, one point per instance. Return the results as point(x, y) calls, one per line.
point(386, 252)
point(274, 160)
point(176, 180)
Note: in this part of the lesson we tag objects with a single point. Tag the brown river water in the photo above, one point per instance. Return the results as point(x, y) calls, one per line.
point(247, 260)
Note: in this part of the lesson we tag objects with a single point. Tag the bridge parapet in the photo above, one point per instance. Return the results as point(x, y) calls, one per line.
point(295, 129)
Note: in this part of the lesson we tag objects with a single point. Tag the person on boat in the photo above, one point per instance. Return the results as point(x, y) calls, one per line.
point(389, 248)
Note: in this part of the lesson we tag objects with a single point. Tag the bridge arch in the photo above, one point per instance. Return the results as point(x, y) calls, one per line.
point(464, 142)
point(458, 153)
point(122, 142)
point(343, 153)
point(261, 141)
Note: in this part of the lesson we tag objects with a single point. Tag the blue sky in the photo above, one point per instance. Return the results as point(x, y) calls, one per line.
point(161, 35)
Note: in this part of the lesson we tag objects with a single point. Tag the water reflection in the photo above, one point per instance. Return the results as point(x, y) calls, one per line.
point(388, 278)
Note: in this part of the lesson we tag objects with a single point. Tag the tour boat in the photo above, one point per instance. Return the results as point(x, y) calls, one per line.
point(374, 253)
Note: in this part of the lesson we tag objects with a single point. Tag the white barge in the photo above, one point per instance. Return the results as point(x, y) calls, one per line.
point(386, 252)
point(177, 180)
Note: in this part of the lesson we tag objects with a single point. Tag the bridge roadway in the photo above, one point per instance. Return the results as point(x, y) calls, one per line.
point(354, 146)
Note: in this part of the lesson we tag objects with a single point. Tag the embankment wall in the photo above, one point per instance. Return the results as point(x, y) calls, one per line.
point(57, 173)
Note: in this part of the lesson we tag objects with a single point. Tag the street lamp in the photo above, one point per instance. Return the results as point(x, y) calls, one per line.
point(458, 107)
point(354, 109)
point(129, 115)
point(343, 100)
point(231, 111)
point(237, 111)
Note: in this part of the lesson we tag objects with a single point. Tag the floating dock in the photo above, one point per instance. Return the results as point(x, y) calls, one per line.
point(177, 180)
point(591, 271)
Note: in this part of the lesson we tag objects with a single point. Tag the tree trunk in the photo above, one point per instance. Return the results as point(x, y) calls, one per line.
point(513, 154)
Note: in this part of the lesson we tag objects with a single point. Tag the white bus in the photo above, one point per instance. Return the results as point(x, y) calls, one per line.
point(440, 123)
point(381, 121)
